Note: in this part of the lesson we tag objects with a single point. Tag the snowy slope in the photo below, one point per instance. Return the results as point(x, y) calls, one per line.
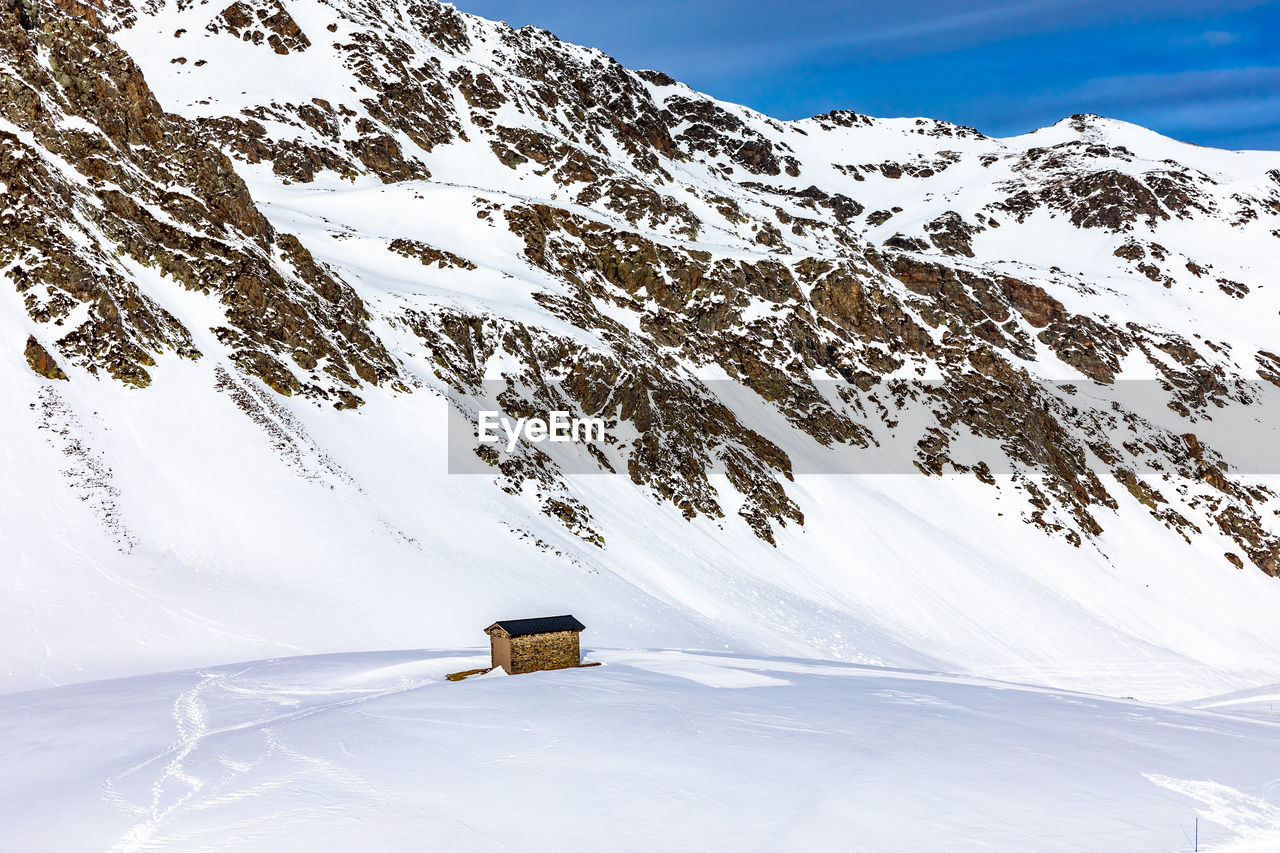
point(208, 518)
point(654, 749)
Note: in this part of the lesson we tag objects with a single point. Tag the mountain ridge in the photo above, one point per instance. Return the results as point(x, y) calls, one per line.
point(365, 203)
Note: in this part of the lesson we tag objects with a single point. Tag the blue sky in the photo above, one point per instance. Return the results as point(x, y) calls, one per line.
point(1202, 72)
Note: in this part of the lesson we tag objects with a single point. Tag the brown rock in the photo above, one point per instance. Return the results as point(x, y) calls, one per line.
point(1037, 306)
point(41, 362)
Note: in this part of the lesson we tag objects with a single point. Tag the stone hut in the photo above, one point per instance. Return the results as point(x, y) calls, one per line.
point(528, 645)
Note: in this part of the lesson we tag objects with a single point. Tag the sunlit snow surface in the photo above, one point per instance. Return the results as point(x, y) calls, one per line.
point(653, 750)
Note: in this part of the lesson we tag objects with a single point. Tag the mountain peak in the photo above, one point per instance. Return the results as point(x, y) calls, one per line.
point(329, 230)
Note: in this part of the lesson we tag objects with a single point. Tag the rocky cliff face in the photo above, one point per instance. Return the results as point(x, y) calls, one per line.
point(106, 192)
point(663, 246)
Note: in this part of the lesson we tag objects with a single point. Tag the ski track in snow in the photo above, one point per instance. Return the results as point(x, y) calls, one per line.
point(657, 748)
point(187, 782)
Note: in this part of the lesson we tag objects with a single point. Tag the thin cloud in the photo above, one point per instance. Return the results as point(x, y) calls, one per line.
point(1209, 38)
point(993, 64)
point(1231, 107)
point(1179, 87)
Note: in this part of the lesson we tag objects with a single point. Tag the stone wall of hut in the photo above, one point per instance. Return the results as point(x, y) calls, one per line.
point(555, 650)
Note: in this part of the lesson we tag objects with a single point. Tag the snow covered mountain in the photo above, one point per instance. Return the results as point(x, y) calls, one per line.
point(878, 391)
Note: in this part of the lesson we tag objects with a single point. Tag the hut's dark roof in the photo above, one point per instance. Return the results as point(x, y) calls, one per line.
point(541, 625)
